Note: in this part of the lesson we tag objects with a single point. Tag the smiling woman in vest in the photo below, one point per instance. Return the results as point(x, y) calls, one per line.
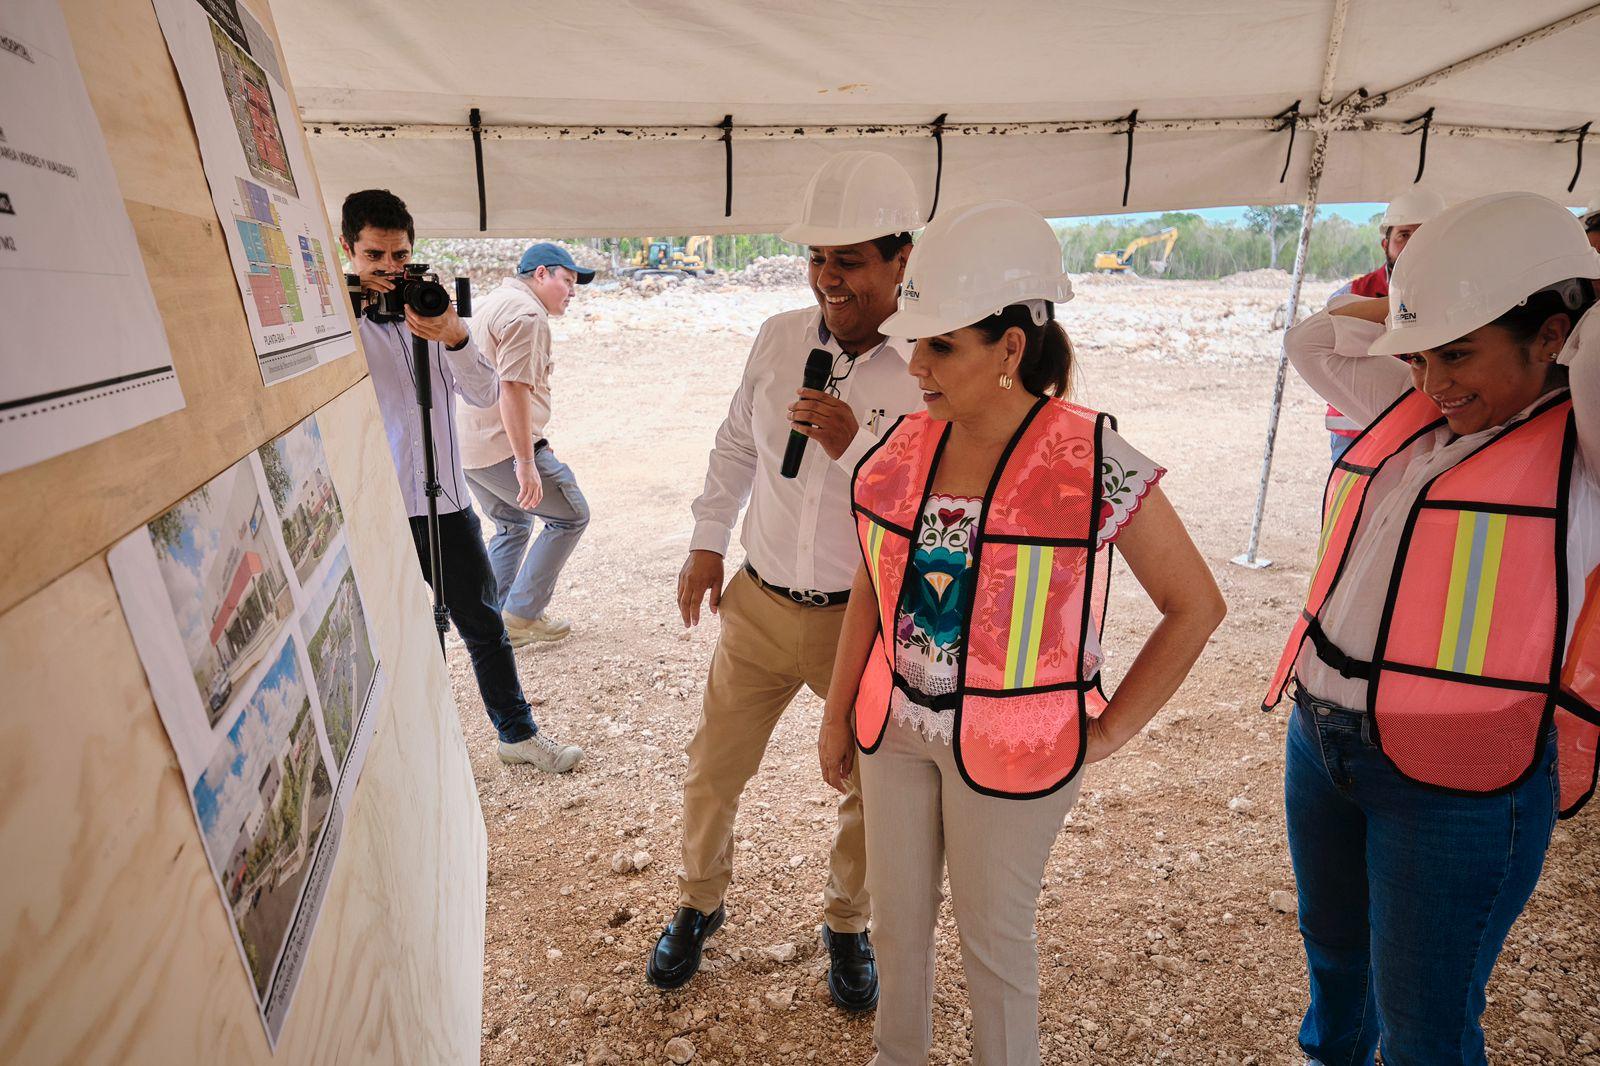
point(1446, 666)
point(969, 661)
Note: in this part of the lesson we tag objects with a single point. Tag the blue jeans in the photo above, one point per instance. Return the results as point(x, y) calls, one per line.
point(469, 597)
point(1406, 893)
point(1338, 445)
point(526, 576)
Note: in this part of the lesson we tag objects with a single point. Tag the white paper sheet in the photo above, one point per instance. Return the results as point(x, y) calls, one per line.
point(253, 149)
point(248, 618)
point(82, 349)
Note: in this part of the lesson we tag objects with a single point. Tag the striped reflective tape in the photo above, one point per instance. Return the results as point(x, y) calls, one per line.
point(1469, 604)
point(1029, 594)
point(1340, 495)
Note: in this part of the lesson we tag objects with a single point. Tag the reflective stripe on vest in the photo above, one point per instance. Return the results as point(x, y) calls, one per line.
point(1468, 669)
point(1023, 696)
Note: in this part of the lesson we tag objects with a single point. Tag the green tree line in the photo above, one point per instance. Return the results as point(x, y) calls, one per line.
point(1339, 248)
point(1265, 237)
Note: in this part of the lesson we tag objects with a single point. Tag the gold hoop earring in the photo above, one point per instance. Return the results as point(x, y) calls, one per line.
point(1005, 381)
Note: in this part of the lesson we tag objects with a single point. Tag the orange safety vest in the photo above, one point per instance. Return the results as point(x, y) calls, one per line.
point(1469, 666)
point(1022, 700)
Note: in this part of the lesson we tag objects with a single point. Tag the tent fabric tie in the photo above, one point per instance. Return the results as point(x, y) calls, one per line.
point(1426, 118)
point(1288, 119)
point(727, 152)
point(1583, 134)
point(475, 118)
point(938, 167)
point(1127, 167)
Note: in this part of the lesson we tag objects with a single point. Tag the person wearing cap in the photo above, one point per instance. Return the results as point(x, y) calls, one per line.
point(968, 669)
point(376, 233)
point(510, 465)
point(781, 610)
point(1445, 669)
point(1591, 221)
point(1404, 216)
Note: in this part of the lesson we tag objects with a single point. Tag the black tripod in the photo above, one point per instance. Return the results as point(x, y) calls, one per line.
point(430, 481)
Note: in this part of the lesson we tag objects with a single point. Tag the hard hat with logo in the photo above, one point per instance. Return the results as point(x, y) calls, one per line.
point(1475, 262)
point(1412, 208)
point(972, 262)
point(855, 197)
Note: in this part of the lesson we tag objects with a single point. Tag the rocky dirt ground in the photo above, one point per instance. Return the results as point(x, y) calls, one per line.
point(1165, 928)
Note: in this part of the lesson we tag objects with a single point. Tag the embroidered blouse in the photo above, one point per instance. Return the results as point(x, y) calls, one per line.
point(928, 626)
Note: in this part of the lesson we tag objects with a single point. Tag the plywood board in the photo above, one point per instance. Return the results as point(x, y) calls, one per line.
point(97, 493)
point(116, 947)
point(113, 944)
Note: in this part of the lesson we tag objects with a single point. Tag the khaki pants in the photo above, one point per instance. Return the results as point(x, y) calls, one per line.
point(921, 817)
point(769, 647)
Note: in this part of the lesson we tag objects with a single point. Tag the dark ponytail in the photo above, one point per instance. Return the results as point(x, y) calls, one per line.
point(1046, 366)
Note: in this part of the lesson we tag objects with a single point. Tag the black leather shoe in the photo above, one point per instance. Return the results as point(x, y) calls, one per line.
point(676, 957)
point(852, 971)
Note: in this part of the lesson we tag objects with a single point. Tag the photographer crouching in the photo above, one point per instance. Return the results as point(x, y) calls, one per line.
point(377, 233)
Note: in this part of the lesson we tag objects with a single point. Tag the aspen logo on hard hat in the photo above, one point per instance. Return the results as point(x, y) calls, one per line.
point(1473, 262)
point(973, 261)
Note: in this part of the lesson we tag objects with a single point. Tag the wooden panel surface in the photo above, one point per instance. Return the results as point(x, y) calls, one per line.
point(114, 943)
point(96, 494)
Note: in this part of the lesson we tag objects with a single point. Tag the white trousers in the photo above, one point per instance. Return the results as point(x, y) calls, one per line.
point(922, 817)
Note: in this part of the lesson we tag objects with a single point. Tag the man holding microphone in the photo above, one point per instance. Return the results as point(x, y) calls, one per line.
point(782, 610)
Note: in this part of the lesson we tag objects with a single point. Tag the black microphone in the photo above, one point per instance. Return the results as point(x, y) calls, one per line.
point(819, 365)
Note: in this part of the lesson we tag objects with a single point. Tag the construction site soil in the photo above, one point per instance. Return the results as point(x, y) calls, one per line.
point(1166, 928)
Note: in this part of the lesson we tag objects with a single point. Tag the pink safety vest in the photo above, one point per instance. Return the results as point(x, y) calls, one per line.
point(1023, 700)
point(1470, 666)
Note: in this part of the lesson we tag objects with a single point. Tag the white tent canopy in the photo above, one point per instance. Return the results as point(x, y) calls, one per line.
point(602, 118)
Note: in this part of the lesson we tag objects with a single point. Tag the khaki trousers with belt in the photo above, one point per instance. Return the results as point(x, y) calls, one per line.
point(768, 648)
point(921, 818)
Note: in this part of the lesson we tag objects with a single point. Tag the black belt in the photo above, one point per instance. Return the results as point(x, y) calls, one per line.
point(540, 444)
point(804, 597)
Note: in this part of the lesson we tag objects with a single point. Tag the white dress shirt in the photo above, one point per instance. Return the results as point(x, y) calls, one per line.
point(464, 372)
point(798, 533)
point(1331, 353)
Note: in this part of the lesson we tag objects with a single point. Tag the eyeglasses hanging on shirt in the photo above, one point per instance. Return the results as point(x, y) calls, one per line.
point(835, 378)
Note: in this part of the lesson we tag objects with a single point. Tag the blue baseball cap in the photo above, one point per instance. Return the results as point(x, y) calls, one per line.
point(548, 254)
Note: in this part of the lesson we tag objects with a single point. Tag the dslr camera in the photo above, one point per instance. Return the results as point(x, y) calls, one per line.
point(415, 287)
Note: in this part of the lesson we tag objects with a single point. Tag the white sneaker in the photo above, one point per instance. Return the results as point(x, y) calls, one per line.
point(543, 752)
point(544, 629)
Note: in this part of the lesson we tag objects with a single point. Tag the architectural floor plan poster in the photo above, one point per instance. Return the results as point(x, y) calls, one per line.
point(84, 355)
point(254, 154)
point(248, 619)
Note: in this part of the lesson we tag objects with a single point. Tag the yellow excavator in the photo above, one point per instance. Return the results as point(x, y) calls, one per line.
point(1115, 262)
point(660, 258)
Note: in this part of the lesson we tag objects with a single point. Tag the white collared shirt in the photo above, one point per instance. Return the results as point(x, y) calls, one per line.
point(797, 533)
point(463, 372)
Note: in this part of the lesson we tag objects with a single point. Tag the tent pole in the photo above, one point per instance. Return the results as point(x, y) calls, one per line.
point(1319, 154)
point(1319, 151)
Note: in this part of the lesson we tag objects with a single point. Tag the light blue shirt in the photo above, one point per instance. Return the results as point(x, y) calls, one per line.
point(464, 372)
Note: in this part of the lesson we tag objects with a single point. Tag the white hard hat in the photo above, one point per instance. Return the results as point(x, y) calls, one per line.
point(975, 261)
point(1475, 262)
point(855, 197)
point(1593, 210)
point(1412, 208)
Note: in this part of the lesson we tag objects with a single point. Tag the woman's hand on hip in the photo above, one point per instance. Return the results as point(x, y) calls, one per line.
point(1102, 741)
point(836, 751)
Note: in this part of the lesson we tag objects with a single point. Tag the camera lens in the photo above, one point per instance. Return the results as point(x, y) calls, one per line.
point(427, 298)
